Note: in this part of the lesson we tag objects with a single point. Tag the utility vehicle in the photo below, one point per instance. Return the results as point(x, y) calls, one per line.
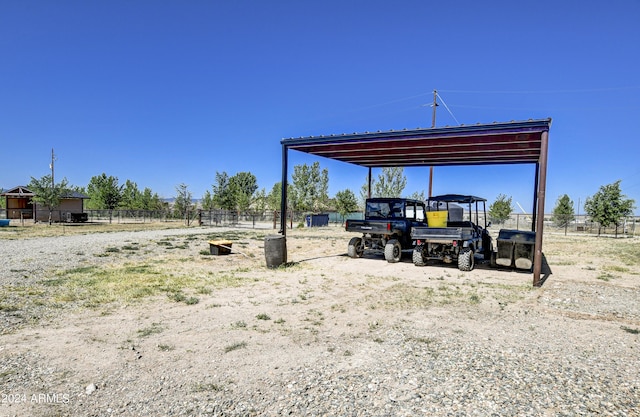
point(386, 227)
point(449, 238)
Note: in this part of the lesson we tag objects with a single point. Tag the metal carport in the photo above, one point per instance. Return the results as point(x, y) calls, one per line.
point(518, 142)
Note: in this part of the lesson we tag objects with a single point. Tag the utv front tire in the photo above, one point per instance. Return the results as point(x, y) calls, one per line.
point(355, 249)
point(393, 251)
point(418, 257)
point(466, 260)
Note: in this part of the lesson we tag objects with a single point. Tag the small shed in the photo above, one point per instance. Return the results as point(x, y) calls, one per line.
point(20, 205)
point(71, 204)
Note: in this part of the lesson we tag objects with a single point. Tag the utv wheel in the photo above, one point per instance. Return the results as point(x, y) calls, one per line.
point(355, 249)
point(393, 251)
point(418, 257)
point(466, 260)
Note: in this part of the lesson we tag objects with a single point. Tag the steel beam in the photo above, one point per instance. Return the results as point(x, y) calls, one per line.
point(542, 185)
point(283, 195)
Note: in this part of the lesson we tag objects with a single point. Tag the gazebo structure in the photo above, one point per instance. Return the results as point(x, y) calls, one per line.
point(518, 142)
point(19, 202)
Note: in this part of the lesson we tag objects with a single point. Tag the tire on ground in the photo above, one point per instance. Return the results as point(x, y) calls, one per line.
point(466, 260)
point(393, 251)
point(355, 249)
point(418, 257)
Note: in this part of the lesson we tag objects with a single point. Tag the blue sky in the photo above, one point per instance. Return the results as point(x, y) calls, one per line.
point(166, 92)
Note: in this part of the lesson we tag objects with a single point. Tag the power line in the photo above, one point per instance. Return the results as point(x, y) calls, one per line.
point(586, 90)
point(546, 109)
point(389, 102)
point(447, 107)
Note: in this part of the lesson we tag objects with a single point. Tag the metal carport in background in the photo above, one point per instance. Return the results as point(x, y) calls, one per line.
point(521, 142)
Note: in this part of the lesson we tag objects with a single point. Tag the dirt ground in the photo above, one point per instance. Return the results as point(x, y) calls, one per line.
point(248, 324)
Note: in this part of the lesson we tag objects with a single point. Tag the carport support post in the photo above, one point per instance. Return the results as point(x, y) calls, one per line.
point(542, 184)
point(535, 197)
point(283, 193)
point(369, 181)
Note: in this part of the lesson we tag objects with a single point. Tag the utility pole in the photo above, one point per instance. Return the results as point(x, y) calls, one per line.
point(53, 185)
point(53, 158)
point(433, 124)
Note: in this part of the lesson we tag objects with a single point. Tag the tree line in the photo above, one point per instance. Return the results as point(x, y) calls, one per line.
point(307, 192)
point(607, 207)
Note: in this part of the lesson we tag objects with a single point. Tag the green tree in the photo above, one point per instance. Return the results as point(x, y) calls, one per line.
point(500, 210)
point(150, 200)
point(207, 201)
point(563, 213)
point(222, 193)
point(274, 198)
point(391, 182)
point(183, 201)
point(260, 200)
point(104, 193)
point(131, 196)
point(47, 193)
point(609, 206)
point(417, 196)
point(309, 191)
point(364, 193)
point(346, 202)
point(242, 186)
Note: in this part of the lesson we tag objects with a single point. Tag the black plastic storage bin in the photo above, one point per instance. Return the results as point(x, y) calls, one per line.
point(516, 248)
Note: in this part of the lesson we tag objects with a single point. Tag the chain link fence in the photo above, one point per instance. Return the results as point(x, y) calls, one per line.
point(630, 226)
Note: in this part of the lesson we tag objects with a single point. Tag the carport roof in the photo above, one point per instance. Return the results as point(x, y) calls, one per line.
point(480, 144)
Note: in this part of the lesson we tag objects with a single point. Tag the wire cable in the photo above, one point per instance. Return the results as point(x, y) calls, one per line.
point(447, 107)
point(589, 90)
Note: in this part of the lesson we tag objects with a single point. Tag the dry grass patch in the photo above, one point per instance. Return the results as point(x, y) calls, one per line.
point(94, 286)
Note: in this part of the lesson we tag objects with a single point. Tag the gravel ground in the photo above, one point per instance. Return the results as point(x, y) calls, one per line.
point(31, 258)
point(345, 338)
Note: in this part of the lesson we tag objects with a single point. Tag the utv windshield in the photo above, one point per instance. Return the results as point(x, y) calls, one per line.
point(385, 209)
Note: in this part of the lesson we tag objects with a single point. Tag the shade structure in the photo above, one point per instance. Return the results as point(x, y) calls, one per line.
point(516, 142)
